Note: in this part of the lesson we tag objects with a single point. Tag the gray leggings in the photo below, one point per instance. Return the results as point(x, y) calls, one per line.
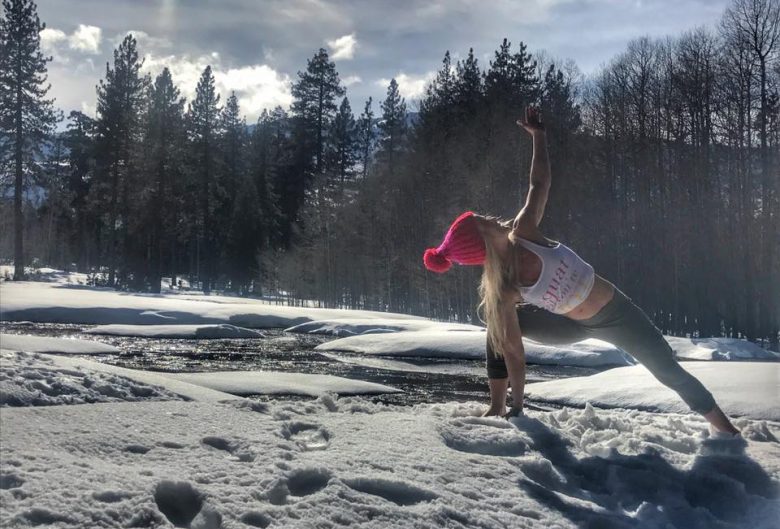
point(622, 324)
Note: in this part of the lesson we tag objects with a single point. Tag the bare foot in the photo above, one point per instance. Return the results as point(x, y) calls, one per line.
point(720, 422)
point(494, 412)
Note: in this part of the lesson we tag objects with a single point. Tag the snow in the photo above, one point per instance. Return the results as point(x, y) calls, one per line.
point(43, 344)
point(60, 303)
point(347, 462)
point(352, 326)
point(749, 389)
point(281, 383)
point(86, 444)
point(176, 331)
point(471, 345)
point(72, 365)
point(718, 349)
point(38, 380)
point(49, 275)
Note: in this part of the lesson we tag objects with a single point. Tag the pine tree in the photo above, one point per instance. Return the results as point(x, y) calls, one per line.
point(392, 126)
point(511, 79)
point(120, 104)
point(498, 78)
point(468, 85)
point(26, 116)
point(344, 143)
point(80, 143)
point(269, 158)
point(365, 137)
point(165, 144)
point(233, 145)
point(239, 216)
point(314, 103)
point(437, 107)
point(203, 121)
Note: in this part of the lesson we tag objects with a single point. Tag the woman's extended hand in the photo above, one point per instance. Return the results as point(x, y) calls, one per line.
point(532, 122)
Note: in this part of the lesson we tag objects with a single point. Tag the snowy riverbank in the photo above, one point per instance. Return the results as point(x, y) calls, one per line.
point(86, 444)
point(330, 462)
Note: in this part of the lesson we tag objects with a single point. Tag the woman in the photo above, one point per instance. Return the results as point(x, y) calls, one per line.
point(568, 301)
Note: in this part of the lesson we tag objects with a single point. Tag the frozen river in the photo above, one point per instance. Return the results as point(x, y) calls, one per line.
point(422, 380)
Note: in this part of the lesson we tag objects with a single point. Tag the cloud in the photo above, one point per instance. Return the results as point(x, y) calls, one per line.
point(146, 43)
point(410, 86)
point(185, 70)
point(257, 86)
point(343, 47)
point(86, 39)
point(50, 38)
point(89, 109)
point(351, 80)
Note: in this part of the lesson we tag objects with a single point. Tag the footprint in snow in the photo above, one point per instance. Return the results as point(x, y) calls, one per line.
point(398, 492)
point(185, 506)
point(255, 519)
point(137, 449)
point(306, 481)
point(234, 449)
point(10, 481)
point(111, 496)
point(484, 436)
point(307, 436)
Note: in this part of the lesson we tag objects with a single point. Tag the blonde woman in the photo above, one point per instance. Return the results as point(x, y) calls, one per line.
point(565, 301)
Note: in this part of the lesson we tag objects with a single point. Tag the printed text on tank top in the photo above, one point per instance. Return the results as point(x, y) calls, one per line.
point(565, 280)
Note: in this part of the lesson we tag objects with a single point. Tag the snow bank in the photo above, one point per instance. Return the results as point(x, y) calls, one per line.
point(49, 275)
point(45, 344)
point(348, 462)
point(149, 378)
point(718, 349)
point(352, 326)
point(56, 303)
point(281, 383)
point(447, 344)
point(176, 331)
point(443, 368)
point(750, 389)
point(38, 380)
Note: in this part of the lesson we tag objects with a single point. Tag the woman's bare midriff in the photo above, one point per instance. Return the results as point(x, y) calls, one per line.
point(600, 295)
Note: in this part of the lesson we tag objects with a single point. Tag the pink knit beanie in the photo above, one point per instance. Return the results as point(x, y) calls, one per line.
point(463, 244)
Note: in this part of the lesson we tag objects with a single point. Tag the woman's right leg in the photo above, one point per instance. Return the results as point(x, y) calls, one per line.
point(625, 325)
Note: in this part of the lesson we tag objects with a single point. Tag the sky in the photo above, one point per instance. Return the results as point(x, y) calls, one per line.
point(256, 48)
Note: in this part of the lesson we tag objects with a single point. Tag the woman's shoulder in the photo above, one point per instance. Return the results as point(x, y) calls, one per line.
point(528, 232)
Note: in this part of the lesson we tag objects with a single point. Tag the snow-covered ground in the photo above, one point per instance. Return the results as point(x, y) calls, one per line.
point(718, 349)
point(471, 345)
point(45, 344)
point(61, 303)
point(750, 389)
point(368, 332)
point(86, 444)
point(49, 275)
point(346, 462)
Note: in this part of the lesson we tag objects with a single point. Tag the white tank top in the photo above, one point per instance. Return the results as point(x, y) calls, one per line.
point(564, 282)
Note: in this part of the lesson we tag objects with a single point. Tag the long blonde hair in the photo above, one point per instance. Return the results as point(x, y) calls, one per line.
point(499, 277)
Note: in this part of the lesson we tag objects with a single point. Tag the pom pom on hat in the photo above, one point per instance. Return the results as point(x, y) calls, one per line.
point(463, 244)
point(436, 262)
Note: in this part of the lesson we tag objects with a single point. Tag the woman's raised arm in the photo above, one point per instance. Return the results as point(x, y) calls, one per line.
point(539, 189)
